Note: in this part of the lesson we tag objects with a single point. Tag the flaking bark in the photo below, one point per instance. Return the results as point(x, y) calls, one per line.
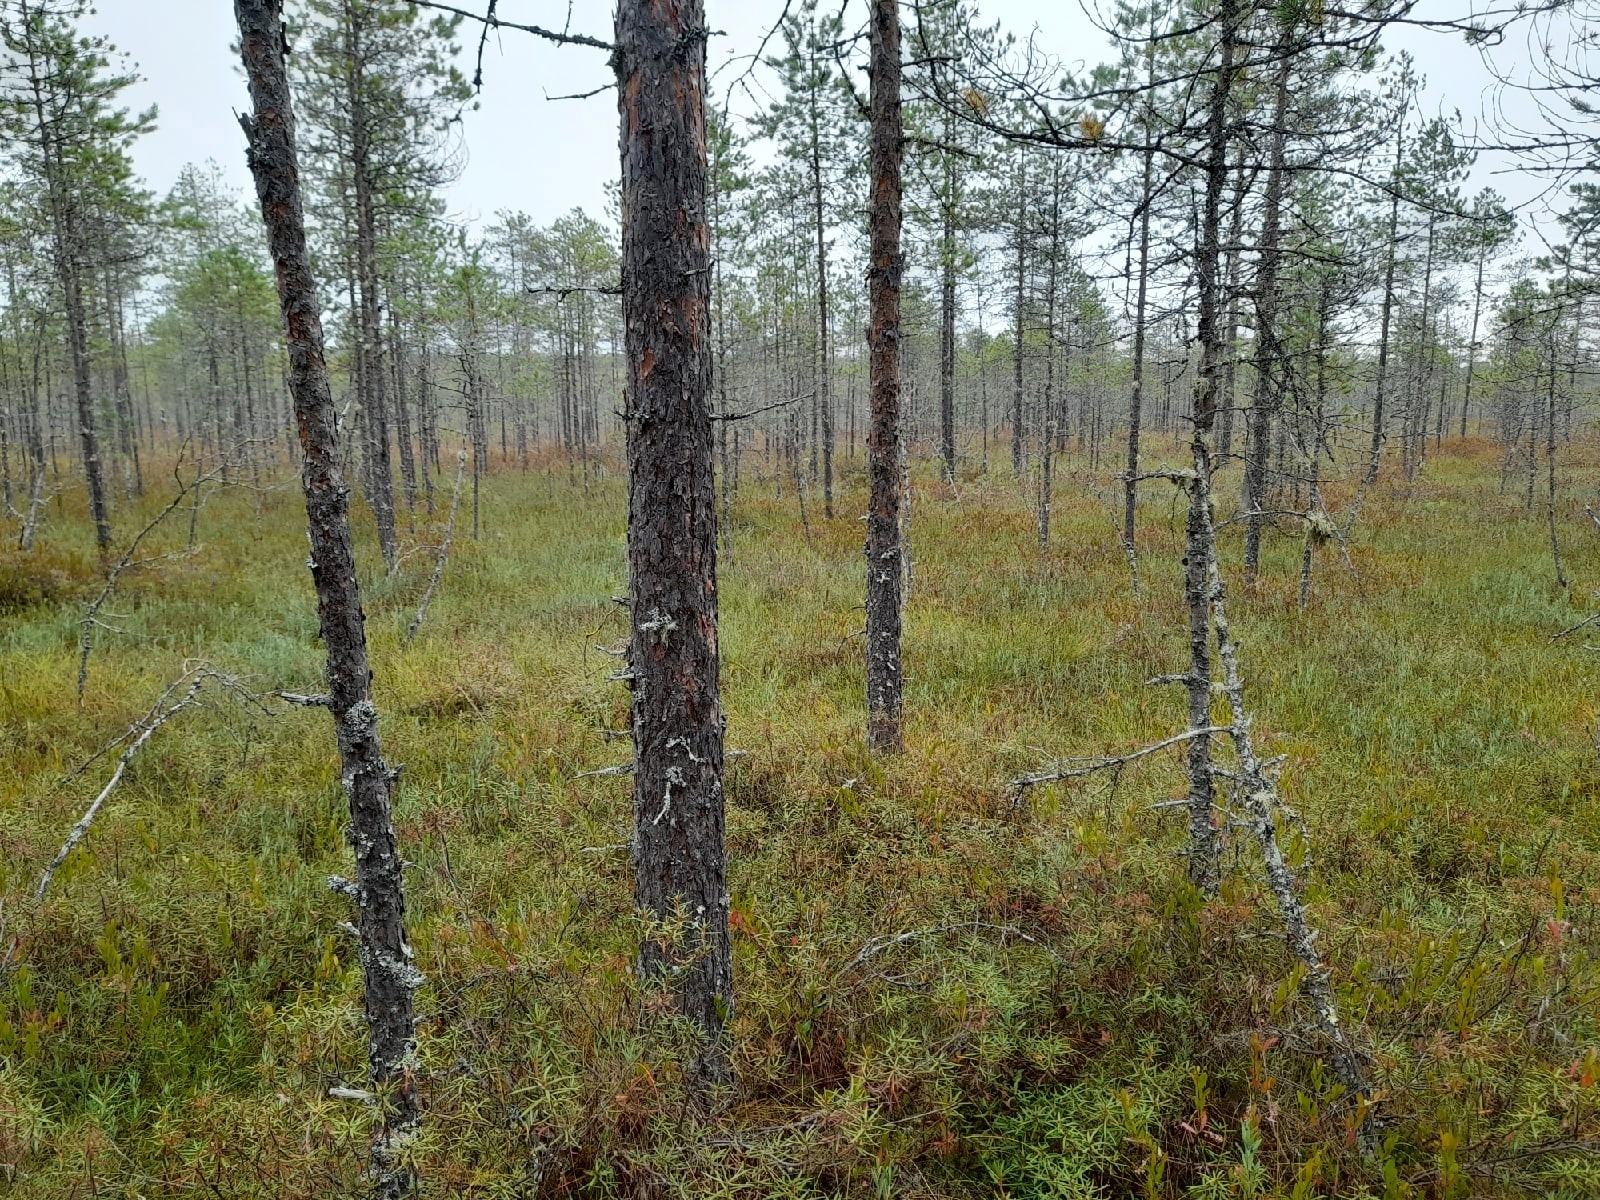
point(884, 275)
point(679, 852)
point(389, 977)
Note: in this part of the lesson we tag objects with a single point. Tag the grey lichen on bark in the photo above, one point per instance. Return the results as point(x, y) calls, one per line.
point(678, 847)
point(389, 977)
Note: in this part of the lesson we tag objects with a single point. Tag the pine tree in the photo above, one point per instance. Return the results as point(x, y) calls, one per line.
point(58, 105)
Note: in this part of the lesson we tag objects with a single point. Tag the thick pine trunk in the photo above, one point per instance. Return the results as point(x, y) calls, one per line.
point(885, 271)
point(390, 979)
point(679, 852)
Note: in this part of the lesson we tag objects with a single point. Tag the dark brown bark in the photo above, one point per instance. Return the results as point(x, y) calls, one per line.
point(884, 274)
point(679, 853)
point(389, 977)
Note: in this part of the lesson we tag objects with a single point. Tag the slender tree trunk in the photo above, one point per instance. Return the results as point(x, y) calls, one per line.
point(1204, 866)
point(1018, 429)
point(1318, 418)
point(402, 412)
point(1228, 404)
point(1550, 457)
point(1053, 421)
point(947, 314)
point(679, 852)
point(1130, 485)
point(885, 271)
point(824, 399)
point(1417, 418)
point(374, 400)
point(78, 348)
point(69, 269)
point(390, 979)
point(1376, 455)
point(1269, 367)
point(122, 391)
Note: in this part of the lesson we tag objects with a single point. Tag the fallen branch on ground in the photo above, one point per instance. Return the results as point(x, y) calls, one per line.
point(144, 729)
point(1090, 766)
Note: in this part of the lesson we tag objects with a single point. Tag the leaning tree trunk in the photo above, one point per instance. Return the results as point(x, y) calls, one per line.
point(390, 979)
point(679, 854)
point(884, 273)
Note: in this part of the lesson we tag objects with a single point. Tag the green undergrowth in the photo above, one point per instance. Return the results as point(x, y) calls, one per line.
point(940, 993)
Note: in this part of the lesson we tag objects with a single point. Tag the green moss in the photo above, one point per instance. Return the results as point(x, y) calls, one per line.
point(172, 1016)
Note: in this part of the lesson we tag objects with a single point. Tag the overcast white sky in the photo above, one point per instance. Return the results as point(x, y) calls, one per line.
point(542, 157)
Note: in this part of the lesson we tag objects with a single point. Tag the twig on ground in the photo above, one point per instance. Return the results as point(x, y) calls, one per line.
point(158, 716)
point(1021, 784)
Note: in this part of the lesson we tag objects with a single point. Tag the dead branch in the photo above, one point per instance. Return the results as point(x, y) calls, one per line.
point(1089, 766)
point(444, 550)
point(157, 717)
point(491, 20)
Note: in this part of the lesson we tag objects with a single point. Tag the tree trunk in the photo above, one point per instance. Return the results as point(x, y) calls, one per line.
point(1130, 485)
point(947, 315)
point(1053, 421)
point(374, 400)
point(885, 271)
point(402, 412)
point(1020, 314)
point(1269, 365)
point(390, 979)
point(1376, 455)
point(679, 852)
point(1204, 868)
point(824, 399)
